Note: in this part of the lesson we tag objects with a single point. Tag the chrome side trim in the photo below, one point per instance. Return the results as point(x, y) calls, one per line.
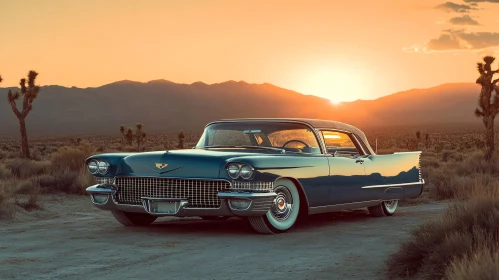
point(343, 206)
point(394, 185)
point(418, 152)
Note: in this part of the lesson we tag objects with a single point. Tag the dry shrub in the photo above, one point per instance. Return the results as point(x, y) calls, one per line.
point(4, 172)
point(83, 181)
point(70, 158)
point(430, 162)
point(25, 168)
point(464, 227)
point(29, 191)
point(483, 264)
point(58, 182)
point(475, 162)
point(7, 199)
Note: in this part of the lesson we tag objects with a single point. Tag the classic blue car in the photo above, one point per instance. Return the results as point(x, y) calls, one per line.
point(268, 171)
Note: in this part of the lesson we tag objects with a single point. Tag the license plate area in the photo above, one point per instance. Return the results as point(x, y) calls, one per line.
point(162, 206)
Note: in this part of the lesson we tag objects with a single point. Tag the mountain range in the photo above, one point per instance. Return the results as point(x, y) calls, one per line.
point(164, 106)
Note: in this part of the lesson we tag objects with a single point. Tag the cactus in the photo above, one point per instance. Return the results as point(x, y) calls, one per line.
point(29, 92)
point(488, 103)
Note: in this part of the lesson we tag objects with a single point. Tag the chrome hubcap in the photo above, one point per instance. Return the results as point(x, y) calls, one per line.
point(391, 204)
point(282, 205)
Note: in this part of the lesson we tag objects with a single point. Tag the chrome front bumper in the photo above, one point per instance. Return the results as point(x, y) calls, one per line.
point(259, 203)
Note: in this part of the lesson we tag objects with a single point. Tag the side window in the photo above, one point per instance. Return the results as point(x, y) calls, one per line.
point(295, 140)
point(339, 144)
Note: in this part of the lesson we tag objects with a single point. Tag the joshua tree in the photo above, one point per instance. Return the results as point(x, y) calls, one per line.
point(139, 135)
point(129, 135)
point(427, 140)
point(29, 92)
point(488, 103)
point(181, 137)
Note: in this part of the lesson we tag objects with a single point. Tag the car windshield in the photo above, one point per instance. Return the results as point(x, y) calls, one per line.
point(272, 136)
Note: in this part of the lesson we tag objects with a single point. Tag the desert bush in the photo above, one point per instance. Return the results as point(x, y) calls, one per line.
point(483, 264)
point(476, 163)
point(464, 228)
point(58, 182)
point(29, 192)
point(4, 172)
point(7, 199)
point(70, 158)
point(25, 168)
point(83, 181)
point(430, 162)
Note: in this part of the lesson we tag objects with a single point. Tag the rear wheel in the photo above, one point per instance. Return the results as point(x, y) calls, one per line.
point(283, 212)
point(133, 219)
point(385, 208)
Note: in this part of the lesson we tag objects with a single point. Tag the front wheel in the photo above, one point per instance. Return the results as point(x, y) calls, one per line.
point(283, 212)
point(385, 208)
point(133, 219)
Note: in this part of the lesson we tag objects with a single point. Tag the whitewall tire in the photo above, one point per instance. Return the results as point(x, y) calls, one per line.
point(283, 212)
point(385, 208)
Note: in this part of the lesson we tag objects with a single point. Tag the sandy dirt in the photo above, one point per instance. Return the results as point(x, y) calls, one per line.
point(71, 239)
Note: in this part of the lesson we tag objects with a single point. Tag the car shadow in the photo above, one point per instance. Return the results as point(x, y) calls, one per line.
point(238, 226)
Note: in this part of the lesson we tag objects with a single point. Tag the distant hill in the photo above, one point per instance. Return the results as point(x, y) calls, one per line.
point(164, 106)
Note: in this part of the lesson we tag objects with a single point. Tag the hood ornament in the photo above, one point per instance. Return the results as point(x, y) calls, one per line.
point(161, 165)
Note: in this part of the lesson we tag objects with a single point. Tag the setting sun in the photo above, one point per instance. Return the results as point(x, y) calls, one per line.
point(337, 83)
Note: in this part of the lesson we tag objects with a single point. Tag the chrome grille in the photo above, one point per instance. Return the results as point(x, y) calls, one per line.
point(199, 193)
point(104, 180)
point(252, 186)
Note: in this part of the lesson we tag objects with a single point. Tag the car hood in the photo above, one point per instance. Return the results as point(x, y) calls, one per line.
point(192, 163)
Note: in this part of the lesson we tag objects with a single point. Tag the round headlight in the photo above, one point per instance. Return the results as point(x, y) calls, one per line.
point(233, 171)
point(246, 171)
point(92, 166)
point(103, 167)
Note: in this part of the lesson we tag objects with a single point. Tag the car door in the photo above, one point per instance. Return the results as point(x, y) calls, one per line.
point(346, 168)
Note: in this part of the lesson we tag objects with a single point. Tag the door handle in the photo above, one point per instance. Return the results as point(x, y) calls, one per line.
point(361, 161)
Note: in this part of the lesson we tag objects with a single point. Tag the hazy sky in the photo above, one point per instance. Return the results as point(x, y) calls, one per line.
point(342, 50)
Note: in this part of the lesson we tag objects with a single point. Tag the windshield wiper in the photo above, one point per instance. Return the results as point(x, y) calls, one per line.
point(247, 147)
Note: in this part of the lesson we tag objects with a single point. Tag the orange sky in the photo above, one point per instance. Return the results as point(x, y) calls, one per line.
point(342, 50)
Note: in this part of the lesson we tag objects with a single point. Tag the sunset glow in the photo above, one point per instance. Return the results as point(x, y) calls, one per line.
point(340, 50)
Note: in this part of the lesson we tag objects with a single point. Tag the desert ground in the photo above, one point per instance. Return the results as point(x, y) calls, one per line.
point(71, 239)
point(50, 230)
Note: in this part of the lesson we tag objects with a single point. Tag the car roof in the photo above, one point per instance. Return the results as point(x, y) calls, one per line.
point(315, 123)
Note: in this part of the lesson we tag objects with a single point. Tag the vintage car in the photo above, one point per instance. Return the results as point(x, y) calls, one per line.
point(268, 171)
